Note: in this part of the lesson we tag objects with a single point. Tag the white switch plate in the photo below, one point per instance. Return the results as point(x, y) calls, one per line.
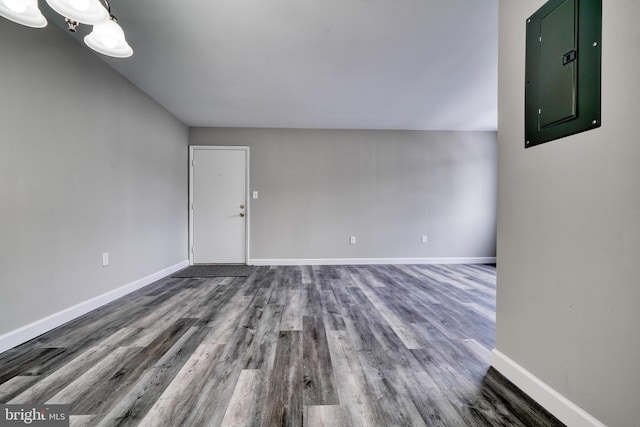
point(424, 238)
point(255, 194)
point(352, 240)
point(105, 259)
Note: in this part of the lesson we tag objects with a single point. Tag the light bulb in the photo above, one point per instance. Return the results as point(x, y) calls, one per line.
point(81, 5)
point(16, 6)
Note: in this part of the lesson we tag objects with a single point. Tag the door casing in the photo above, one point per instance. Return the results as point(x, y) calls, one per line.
point(246, 150)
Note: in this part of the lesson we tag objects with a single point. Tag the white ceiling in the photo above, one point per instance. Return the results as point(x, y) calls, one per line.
point(341, 64)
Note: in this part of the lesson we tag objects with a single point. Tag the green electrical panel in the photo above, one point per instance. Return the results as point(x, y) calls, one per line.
point(563, 63)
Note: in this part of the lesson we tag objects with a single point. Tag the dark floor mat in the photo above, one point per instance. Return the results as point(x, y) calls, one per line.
point(215, 271)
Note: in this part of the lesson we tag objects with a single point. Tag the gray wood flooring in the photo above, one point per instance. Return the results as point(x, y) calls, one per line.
point(286, 346)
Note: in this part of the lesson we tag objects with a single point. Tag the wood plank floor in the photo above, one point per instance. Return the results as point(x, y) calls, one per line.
point(286, 346)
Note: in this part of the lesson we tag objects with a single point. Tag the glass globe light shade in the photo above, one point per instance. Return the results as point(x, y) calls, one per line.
point(108, 39)
point(24, 12)
point(90, 12)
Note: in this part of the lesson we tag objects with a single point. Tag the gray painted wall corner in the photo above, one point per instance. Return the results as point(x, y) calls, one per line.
point(89, 165)
point(569, 230)
point(388, 188)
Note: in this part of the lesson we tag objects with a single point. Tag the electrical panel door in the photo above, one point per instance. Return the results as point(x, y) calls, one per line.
point(562, 94)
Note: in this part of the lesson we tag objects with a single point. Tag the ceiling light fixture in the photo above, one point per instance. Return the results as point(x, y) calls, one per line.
point(106, 38)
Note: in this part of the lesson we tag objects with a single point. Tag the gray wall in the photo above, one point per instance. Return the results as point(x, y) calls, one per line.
point(569, 230)
point(387, 188)
point(88, 164)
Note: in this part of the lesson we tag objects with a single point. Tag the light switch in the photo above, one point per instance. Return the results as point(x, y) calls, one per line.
point(255, 195)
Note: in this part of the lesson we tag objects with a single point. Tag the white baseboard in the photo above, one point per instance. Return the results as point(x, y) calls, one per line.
point(21, 335)
point(369, 261)
point(561, 407)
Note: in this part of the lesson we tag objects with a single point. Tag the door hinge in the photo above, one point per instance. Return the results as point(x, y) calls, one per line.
point(192, 250)
point(193, 162)
point(192, 205)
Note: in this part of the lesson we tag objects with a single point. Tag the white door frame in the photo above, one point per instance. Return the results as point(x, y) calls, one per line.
point(246, 150)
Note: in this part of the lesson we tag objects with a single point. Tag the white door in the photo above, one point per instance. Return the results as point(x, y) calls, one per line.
point(219, 189)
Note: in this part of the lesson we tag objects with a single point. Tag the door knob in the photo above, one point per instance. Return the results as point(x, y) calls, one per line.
point(242, 214)
point(241, 206)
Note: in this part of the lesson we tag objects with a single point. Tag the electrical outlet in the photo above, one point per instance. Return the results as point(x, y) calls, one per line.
point(105, 259)
point(352, 240)
point(424, 238)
